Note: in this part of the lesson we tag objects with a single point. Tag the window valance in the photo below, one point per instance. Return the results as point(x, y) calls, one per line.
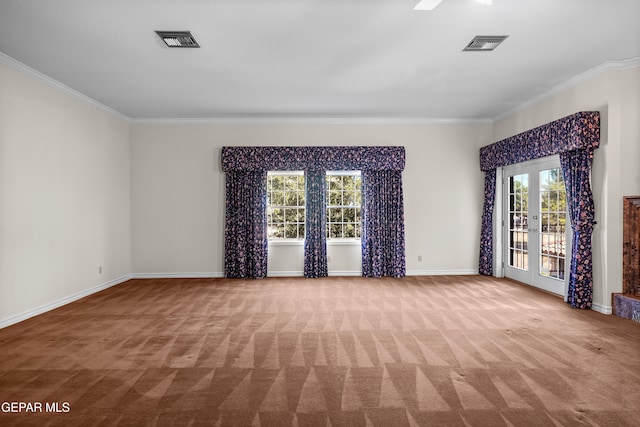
point(578, 131)
point(248, 158)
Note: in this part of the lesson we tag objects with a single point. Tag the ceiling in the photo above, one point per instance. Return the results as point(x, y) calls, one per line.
point(316, 58)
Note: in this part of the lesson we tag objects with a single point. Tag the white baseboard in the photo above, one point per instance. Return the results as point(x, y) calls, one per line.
point(63, 301)
point(301, 273)
point(441, 272)
point(213, 275)
point(604, 309)
point(286, 273)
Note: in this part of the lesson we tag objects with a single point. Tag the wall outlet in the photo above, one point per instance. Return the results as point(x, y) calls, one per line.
point(100, 269)
point(419, 258)
point(328, 259)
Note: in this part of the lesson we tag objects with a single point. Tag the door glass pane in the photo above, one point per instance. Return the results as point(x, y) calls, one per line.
point(518, 212)
point(553, 219)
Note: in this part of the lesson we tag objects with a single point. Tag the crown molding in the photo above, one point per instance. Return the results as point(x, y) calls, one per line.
point(311, 120)
point(594, 72)
point(51, 82)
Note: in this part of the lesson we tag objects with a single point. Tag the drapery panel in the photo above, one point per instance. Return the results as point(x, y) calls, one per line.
point(383, 250)
point(315, 239)
point(486, 239)
point(579, 132)
point(576, 170)
point(245, 248)
point(246, 243)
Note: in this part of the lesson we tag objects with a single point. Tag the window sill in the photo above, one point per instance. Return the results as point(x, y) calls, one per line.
point(286, 242)
point(330, 242)
point(344, 242)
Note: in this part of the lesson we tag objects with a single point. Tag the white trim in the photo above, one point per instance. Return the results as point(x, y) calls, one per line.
point(313, 120)
point(298, 273)
point(285, 273)
point(212, 275)
point(574, 81)
point(600, 308)
point(63, 301)
point(441, 272)
point(344, 242)
point(357, 273)
point(286, 242)
point(301, 273)
point(43, 78)
point(498, 219)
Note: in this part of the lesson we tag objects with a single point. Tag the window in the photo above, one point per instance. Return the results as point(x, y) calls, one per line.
point(553, 221)
point(518, 221)
point(285, 205)
point(344, 201)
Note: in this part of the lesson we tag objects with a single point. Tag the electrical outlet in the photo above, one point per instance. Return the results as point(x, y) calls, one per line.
point(100, 269)
point(328, 259)
point(419, 258)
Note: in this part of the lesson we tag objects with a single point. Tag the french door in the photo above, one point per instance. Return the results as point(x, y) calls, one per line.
point(536, 224)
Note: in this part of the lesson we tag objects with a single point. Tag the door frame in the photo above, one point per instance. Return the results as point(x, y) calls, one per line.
point(499, 234)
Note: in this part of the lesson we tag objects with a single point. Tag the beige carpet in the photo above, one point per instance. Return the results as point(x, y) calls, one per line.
point(418, 351)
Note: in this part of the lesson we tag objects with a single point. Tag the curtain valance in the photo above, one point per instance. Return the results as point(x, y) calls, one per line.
point(312, 158)
point(578, 131)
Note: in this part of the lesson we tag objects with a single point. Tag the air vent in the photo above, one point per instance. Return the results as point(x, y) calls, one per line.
point(484, 43)
point(178, 38)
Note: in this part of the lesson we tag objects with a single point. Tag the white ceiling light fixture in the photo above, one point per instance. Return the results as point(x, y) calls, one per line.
point(178, 38)
point(427, 4)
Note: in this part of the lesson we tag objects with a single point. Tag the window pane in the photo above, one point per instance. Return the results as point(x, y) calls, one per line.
point(335, 231)
point(277, 215)
point(291, 198)
point(291, 231)
point(349, 198)
point(335, 198)
point(344, 196)
point(277, 198)
point(285, 206)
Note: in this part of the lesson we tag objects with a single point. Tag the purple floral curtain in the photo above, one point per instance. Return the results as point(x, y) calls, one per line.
point(486, 238)
point(574, 138)
point(383, 252)
point(576, 170)
point(245, 230)
point(315, 239)
point(245, 253)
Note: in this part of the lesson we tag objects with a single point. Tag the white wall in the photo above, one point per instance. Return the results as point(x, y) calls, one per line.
point(616, 94)
point(83, 188)
point(178, 192)
point(64, 196)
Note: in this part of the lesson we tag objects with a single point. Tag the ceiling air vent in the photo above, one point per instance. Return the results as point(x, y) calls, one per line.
point(178, 38)
point(484, 43)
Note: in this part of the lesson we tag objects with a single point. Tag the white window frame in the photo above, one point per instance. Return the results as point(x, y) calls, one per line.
point(344, 240)
point(286, 240)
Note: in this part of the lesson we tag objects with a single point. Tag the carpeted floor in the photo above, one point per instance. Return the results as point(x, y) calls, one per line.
point(418, 351)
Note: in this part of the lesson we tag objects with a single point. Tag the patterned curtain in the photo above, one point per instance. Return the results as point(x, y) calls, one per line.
point(383, 251)
point(486, 233)
point(315, 239)
point(245, 240)
point(576, 169)
point(574, 138)
point(246, 225)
